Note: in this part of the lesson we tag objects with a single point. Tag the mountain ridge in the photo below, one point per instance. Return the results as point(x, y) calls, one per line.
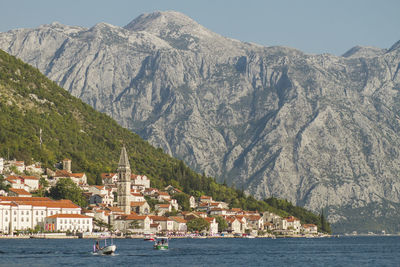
point(319, 130)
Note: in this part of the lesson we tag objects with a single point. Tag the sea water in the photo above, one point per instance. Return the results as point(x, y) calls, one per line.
point(334, 251)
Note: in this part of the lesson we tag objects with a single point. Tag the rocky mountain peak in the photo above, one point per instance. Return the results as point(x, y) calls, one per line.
point(179, 30)
point(395, 46)
point(364, 51)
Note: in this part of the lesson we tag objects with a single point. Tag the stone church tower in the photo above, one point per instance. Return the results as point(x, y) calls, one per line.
point(124, 182)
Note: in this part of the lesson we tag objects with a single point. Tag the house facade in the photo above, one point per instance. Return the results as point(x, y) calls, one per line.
point(69, 222)
point(21, 213)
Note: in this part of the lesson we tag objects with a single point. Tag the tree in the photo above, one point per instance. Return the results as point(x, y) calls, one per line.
point(100, 223)
point(325, 227)
point(3, 185)
point(222, 224)
point(183, 201)
point(65, 188)
point(198, 224)
point(134, 225)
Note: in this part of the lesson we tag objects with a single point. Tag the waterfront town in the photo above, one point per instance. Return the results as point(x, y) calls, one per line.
point(126, 205)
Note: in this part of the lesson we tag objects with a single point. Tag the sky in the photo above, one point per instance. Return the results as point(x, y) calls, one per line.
point(312, 26)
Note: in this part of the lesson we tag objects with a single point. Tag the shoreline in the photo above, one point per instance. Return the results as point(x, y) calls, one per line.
point(62, 236)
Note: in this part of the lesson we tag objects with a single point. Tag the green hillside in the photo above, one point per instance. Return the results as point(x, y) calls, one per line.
point(72, 129)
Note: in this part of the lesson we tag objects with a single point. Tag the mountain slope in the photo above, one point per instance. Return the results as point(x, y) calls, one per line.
point(30, 102)
point(319, 130)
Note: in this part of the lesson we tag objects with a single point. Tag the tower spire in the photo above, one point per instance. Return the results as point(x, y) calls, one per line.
point(123, 159)
point(124, 182)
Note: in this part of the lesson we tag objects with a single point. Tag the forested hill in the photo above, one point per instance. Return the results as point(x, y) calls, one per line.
point(72, 129)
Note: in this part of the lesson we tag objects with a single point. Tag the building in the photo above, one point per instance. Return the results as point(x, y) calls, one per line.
point(137, 197)
point(192, 201)
point(167, 224)
point(15, 182)
point(161, 209)
point(109, 178)
point(14, 192)
point(206, 199)
point(179, 224)
point(140, 207)
point(67, 165)
point(235, 225)
point(213, 230)
point(293, 224)
point(255, 222)
point(310, 229)
point(163, 196)
point(22, 213)
point(79, 179)
point(140, 180)
point(133, 223)
point(124, 182)
point(69, 222)
point(32, 182)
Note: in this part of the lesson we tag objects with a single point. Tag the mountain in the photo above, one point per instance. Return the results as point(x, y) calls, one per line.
point(318, 130)
point(30, 103)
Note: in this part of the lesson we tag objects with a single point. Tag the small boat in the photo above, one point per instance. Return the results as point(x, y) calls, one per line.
point(161, 243)
point(108, 248)
point(149, 237)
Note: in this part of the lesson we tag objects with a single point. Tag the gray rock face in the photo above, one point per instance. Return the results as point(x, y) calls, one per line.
point(319, 130)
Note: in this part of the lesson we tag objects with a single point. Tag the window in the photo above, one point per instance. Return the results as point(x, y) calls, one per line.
point(6, 212)
point(37, 213)
point(6, 219)
point(42, 212)
point(22, 219)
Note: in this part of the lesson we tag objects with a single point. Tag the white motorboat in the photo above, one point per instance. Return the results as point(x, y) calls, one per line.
point(108, 248)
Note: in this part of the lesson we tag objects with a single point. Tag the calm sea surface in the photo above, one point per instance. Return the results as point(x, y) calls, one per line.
point(342, 251)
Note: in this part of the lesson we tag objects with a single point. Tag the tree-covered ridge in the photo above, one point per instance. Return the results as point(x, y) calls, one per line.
point(92, 140)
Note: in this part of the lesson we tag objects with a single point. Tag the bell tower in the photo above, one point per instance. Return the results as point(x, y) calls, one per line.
point(124, 182)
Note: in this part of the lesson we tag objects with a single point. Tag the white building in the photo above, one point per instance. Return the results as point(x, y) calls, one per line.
point(21, 213)
point(109, 178)
point(28, 183)
point(69, 222)
point(310, 229)
point(213, 226)
point(179, 224)
point(32, 182)
point(140, 180)
point(293, 223)
point(124, 223)
point(167, 224)
point(34, 169)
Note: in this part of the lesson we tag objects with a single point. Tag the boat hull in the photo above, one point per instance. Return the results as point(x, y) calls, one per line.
point(108, 250)
point(161, 247)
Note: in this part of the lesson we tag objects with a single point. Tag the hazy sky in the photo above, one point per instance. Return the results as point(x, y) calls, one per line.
point(313, 26)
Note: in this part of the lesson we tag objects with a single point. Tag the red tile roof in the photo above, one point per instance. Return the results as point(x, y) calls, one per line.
point(163, 205)
point(68, 216)
point(3, 198)
point(29, 178)
point(178, 219)
point(20, 191)
point(134, 217)
point(159, 218)
point(107, 175)
point(137, 204)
